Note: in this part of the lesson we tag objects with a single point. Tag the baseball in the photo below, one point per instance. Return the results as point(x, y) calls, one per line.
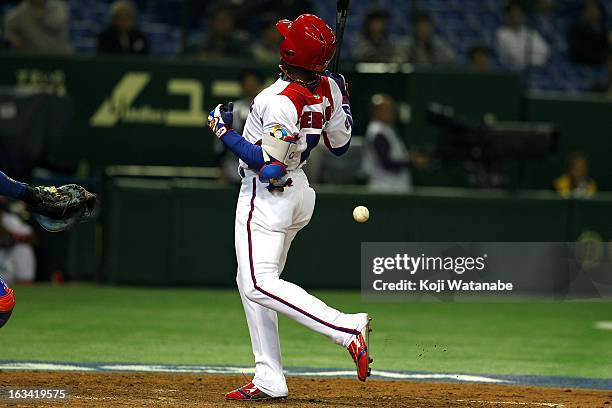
point(361, 214)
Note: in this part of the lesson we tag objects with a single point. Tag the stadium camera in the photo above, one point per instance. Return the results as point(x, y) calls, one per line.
point(464, 139)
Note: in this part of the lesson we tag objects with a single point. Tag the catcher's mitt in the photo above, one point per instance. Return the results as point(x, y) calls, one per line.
point(59, 208)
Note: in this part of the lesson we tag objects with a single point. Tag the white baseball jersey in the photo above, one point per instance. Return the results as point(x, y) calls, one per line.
point(310, 115)
point(268, 221)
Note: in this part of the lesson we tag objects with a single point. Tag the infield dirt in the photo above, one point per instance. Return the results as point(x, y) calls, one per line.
point(190, 390)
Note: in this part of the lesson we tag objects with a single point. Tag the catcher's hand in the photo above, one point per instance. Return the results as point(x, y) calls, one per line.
point(58, 208)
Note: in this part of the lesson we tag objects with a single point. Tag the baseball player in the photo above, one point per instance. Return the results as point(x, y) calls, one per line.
point(55, 208)
point(287, 120)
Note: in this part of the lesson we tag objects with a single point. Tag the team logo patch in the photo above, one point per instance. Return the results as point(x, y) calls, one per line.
point(280, 133)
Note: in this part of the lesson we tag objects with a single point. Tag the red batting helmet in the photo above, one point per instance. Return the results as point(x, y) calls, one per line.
point(308, 42)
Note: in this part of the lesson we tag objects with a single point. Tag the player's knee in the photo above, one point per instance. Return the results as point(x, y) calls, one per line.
point(262, 289)
point(256, 292)
point(252, 293)
point(248, 290)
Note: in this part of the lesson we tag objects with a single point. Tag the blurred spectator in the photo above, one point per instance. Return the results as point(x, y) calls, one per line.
point(518, 45)
point(576, 182)
point(266, 50)
point(542, 7)
point(587, 37)
point(375, 44)
point(387, 161)
point(252, 82)
point(480, 59)
point(121, 37)
point(4, 42)
point(256, 14)
point(605, 87)
point(17, 260)
point(223, 40)
point(425, 47)
point(38, 26)
point(288, 9)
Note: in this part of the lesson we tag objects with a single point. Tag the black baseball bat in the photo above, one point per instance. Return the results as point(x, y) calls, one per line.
point(341, 13)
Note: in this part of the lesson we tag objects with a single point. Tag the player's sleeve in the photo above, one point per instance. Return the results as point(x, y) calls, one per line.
point(11, 188)
point(244, 147)
point(274, 111)
point(248, 152)
point(279, 110)
point(338, 130)
point(279, 139)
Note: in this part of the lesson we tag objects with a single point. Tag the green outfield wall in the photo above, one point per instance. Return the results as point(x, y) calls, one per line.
point(182, 231)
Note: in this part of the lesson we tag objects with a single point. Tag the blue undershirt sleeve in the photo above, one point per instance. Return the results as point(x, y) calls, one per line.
point(339, 151)
point(11, 188)
point(248, 152)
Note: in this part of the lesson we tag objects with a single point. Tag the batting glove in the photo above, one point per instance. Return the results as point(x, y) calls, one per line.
point(220, 119)
point(343, 85)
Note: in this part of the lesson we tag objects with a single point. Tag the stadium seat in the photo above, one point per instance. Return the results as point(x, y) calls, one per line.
point(463, 23)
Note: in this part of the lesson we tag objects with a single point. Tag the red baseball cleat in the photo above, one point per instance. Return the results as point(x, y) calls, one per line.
point(358, 349)
point(249, 392)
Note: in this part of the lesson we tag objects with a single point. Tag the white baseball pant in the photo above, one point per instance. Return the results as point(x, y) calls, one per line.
point(266, 224)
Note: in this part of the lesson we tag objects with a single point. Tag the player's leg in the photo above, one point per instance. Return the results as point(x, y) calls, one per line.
point(358, 347)
point(263, 330)
point(258, 273)
point(262, 321)
point(301, 219)
point(253, 225)
point(289, 236)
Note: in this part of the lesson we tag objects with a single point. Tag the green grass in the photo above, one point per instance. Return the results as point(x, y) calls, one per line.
point(186, 326)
